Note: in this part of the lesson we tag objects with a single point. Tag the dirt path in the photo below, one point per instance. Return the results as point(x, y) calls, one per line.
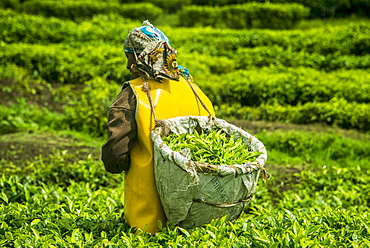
point(20, 148)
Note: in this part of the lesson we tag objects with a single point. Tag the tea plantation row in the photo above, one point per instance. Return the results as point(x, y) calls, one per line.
point(349, 39)
point(316, 75)
point(286, 9)
point(59, 200)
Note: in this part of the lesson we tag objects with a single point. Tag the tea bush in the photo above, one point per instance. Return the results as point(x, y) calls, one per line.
point(58, 170)
point(84, 110)
point(277, 56)
point(88, 112)
point(319, 9)
point(168, 6)
point(286, 86)
point(253, 74)
point(349, 39)
point(325, 8)
point(21, 116)
point(55, 202)
point(43, 30)
point(316, 145)
point(86, 9)
point(336, 112)
point(311, 95)
point(193, 15)
point(20, 82)
point(62, 63)
point(265, 15)
point(249, 15)
point(9, 4)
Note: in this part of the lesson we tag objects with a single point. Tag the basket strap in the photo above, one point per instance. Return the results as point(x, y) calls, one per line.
point(265, 175)
point(146, 85)
point(200, 100)
point(223, 205)
point(146, 89)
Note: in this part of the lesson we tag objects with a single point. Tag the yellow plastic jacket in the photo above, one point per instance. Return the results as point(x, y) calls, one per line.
point(170, 99)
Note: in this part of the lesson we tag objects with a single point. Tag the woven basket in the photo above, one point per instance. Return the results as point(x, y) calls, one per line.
point(194, 193)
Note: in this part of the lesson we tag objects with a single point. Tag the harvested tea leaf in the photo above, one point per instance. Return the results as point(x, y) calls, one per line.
point(214, 147)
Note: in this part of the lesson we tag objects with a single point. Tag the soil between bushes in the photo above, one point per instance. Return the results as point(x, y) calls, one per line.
point(22, 148)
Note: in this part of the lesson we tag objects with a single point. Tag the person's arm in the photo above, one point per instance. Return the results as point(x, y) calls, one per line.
point(122, 132)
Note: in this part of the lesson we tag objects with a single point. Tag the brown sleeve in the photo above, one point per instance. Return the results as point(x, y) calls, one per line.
point(122, 132)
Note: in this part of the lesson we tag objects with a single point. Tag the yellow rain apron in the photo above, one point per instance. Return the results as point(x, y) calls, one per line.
point(170, 99)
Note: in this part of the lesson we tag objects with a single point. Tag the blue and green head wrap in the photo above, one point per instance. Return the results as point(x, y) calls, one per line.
point(155, 56)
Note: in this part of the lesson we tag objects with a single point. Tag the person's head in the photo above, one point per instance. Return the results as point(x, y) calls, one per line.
point(148, 50)
point(137, 40)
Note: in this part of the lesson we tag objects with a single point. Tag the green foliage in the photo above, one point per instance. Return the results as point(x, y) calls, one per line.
point(58, 201)
point(326, 8)
point(278, 56)
point(336, 112)
point(84, 111)
point(286, 86)
point(360, 7)
point(214, 2)
point(319, 9)
point(266, 15)
point(170, 6)
point(202, 64)
point(62, 63)
point(299, 96)
point(275, 83)
point(9, 4)
point(58, 169)
point(193, 16)
point(212, 147)
point(88, 111)
point(349, 39)
point(18, 81)
point(86, 9)
point(341, 40)
point(316, 147)
point(42, 30)
point(49, 215)
point(21, 116)
point(249, 15)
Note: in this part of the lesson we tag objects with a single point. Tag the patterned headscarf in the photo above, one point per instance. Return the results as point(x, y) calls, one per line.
point(156, 58)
